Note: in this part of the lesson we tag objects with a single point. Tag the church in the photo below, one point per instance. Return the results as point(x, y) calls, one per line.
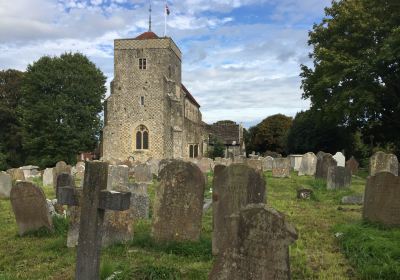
point(150, 113)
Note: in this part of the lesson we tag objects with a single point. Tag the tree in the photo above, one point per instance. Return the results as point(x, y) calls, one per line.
point(355, 79)
point(11, 154)
point(61, 106)
point(270, 134)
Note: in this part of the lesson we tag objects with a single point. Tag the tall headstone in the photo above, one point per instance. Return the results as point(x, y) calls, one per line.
point(255, 164)
point(295, 161)
point(30, 207)
point(268, 162)
point(338, 177)
point(324, 161)
point(233, 188)
point(48, 177)
point(143, 173)
point(281, 168)
point(382, 199)
point(308, 165)
point(5, 184)
point(353, 165)
point(380, 162)
point(61, 167)
point(178, 205)
point(340, 159)
point(258, 247)
point(16, 174)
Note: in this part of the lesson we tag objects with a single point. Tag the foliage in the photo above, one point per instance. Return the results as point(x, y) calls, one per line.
point(270, 134)
point(218, 149)
point(11, 154)
point(62, 100)
point(355, 79)
point(373, 250)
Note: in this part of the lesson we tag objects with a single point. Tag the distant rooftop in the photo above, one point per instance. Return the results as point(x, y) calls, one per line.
point(147, 35)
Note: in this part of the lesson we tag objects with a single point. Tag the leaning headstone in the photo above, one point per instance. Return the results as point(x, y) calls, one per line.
point(353, 165)
point(267, 163)
point(30, 207)
point(48, 177)
point(340, 159)
point(295, 161)
point(380, 162)
point(61, 167)
point(16, 174)
point(382, 199)
point(233, 188)
point(324, 162)
point(258, 246)
point(338, 177)
point(281, 168)
point(255, 164)
point(353, 199)
point(308, 164)
point(178, 205)
point(143, 173)
point(5, 184)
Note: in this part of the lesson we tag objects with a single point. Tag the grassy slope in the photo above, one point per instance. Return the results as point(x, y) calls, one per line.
point(315, 255)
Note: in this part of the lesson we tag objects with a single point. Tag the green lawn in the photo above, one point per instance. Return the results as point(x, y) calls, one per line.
point(360, 252)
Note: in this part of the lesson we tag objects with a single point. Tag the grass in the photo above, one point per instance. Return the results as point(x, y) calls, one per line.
point(362, 252)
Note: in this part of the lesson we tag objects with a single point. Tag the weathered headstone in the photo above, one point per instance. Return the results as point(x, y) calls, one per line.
point(16, 174)
point(233, 188)
point(178, 205)
point(338, 177)
point(61, 167)
point(5, 184)
point(268, 163)
point(281, 168)
point(340, 159)
point(64, 180)
point(118, 178)
point(255, 164)
point(353, 165)
point(382, 199)
point(324, 162)
point(140, 201)
point(258, 247)
point(30, 207)
point(48, 177)
point(353, 199)
point(205, 164)
point(79, 170)
point(308, 165)
point(154, 166)
point(30, 171)
point(295, 161)
point(381, 162)
point(304, 194)
point(95, 200)
point(143, 173)
point(239, 159)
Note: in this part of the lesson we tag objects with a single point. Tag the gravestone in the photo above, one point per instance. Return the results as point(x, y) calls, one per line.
point(95, 200)
point(30, 207)
point(143, 173)
point(16, 174)
point(258, 247)
point(304, 194)
point(205, 164)
point(48, 177)
point(338, 177)
point(353, 165)
point(308, 164)
point(324, 162)
point(380, 162)
point(382, 199)
point(178, 205)
point(255, 164)
point(281, 168)
point(295, 161)
point(154, 166)
point(353, 199)
point(79, 170)
point(233, 188)
point(340, 159)
point(61, 167)
point(140, 201)
point(64, 180)
point(239, 159)
point(30, 171)
point(268, 163)
point(5, 184)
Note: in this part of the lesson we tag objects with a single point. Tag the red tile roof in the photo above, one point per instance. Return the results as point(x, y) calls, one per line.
point(147, 35)
point(189, 96)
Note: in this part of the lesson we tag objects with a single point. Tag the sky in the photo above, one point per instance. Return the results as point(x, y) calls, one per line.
point(241, 58)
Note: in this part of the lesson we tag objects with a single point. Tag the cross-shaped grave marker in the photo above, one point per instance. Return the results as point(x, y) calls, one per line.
point(94, 201)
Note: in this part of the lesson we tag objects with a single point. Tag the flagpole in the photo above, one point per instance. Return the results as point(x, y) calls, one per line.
point(165, 19)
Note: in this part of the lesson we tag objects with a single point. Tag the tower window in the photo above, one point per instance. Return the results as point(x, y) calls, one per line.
point(142, 63)
point(142, 100)
point(142, 138)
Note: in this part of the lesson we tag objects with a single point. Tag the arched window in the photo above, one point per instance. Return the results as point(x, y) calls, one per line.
point(142, 138)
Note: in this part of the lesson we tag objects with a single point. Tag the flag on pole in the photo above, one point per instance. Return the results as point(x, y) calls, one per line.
point(167, 11)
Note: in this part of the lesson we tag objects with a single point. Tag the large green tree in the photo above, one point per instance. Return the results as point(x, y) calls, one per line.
point(11, 154)
point(60, 108)
point(355, 79)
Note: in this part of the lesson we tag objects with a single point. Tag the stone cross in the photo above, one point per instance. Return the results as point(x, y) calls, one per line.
point(95, 200)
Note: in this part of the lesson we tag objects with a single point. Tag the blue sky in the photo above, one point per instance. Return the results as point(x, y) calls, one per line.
point(241, 58)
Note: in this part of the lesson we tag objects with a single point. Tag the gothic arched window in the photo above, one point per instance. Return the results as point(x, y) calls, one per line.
point(142, 138)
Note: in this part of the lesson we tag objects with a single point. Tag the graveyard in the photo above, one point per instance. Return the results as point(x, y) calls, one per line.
point(332, 242)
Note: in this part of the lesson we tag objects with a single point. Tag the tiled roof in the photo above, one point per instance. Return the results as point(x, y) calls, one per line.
point(147, 35)
point(226, 131)
point(189, 96)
